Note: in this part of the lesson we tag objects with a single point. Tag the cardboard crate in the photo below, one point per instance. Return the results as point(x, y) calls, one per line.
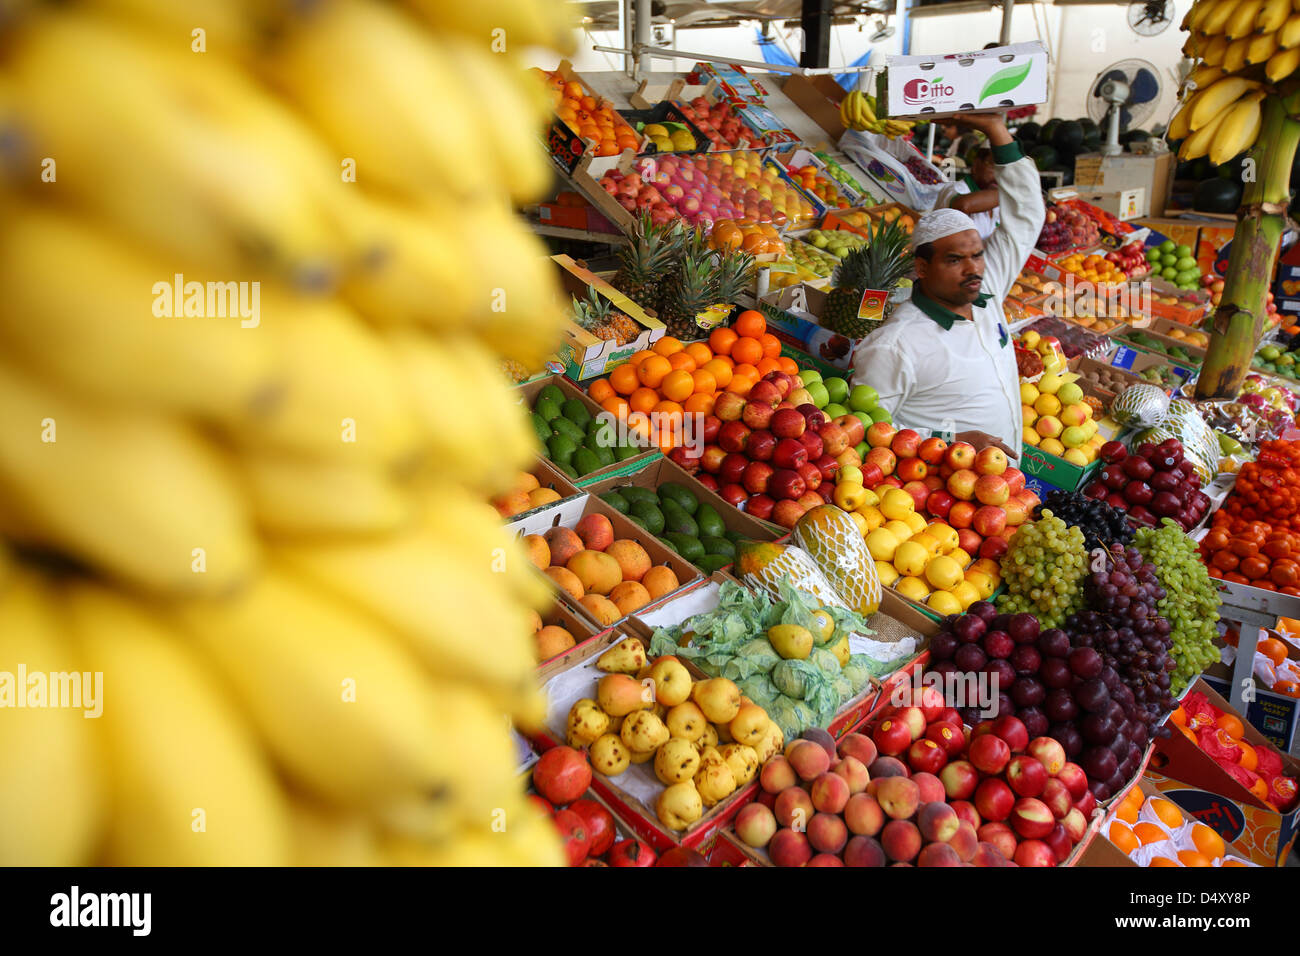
point(834, 219)
point(528, 393)
point(934, 86)
point(1130, 359)
point(1159, 329)
point(1273, 715)
point(1191, 306)
point(569, 512)
point(803, 156)
point(583, 629)
point(1123, 204)
point(565, 69)
point(730, 81)
point(731, 850)
point(1154, 173)
point(666, 112)
point(1044, 471)
point(819, 97)
point(585, 356)
point(885, 161)
point(791, 315)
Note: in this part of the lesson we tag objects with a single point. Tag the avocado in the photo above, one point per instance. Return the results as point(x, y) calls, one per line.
point(604, 454)
point(735, 537)
point(585, 460)
point(678, 521)
point(624, 452)
point(552, 393)
point(635, 493)
point(567, 469)
point(561, 448)
point(687, 545)
point(602, 435)
point(616, 501)
point(575, 411)
point(712, 562)
point(569, 430)
point(648, 516)
point(671, 491)
point(547, 409)
point(719, 546)
point(710, 522)
point(541, 426)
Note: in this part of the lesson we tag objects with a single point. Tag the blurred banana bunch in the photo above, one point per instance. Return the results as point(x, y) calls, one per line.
point(260, 277)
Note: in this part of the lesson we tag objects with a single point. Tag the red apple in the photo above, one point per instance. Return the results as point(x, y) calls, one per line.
point(989, 461)
point(786, 483)
point(733, 494)
point(960, 455)
point(789, 453)
point(834, 438)
point(882, 458)
point(905, 443)
point(1015, 479)
point(994, 547)
point(813, 442)
point(733, 468)
point(872, 474)
point(729, 407)
point(813, 416)
point(812, 499)
point(939, 503)
point(760, 445)
point(788, 423)
point(760, 506)
point(911, 469)
point(787, 512)
point(708, 481)
point(968, 540)
point(768, 394)
point(758, 414)
point(733, 436)
point(960, 485)
point(990, 519)
point(710, 432)
point(711, 460)
point(811, 475)
point(919, 492)
point(881, 434)
point(853, 428)
point(933, 481)
point(961, 514)
point(1015, 511)
point(828, 466)
point(932, 450)
point(991, 489)
point(782, 381)
point(756, 477)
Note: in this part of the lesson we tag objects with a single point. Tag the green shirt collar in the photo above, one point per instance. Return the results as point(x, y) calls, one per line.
point(969, 180)
point(943, 316)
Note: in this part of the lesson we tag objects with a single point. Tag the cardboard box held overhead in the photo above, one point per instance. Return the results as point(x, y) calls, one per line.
point(997, 78)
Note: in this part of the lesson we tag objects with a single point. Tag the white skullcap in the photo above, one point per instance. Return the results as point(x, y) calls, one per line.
point(940, 223)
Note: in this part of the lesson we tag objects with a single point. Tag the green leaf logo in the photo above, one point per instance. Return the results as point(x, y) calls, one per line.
point(936, 81)
point(1006, 80)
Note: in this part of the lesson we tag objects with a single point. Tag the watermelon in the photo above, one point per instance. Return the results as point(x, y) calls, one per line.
point(1029, 133)
point(1044, 157)
point(1048, 130)
point(1068, 137)
point(1217, 195)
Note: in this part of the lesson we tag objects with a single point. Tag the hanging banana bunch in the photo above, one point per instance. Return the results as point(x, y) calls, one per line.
point(858, 111)
point(251, 409)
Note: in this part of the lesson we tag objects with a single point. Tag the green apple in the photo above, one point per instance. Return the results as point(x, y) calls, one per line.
point(865, 418)
point(809, 375)
point(837, 389)
point(1153, 254)
point(863, 398)
point(862, 448)
point(881, 415)
point(1183, 251)
point(835, 410)
point(1167, 246)
point(821, 398)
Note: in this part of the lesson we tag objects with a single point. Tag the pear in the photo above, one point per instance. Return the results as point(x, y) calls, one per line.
point(625, 657)
point(644, 732)
point(841, 651)
point(742, 760)
point(680, 805)
point(770, 744)
point(791, 641)
point(609, 755)
point(714, 780)
point(719, 698)
point(676, 761)
point(619, 695)
point(587, 721)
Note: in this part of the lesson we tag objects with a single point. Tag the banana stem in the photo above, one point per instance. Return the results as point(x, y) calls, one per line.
point(1239, 320)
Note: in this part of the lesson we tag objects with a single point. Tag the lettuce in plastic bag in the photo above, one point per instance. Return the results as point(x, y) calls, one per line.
point(826, 662)
point(761, 652)
point(760, 689)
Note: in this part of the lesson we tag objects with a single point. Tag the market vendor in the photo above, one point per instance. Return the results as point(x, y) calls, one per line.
point(975, 193)
point(944, 363)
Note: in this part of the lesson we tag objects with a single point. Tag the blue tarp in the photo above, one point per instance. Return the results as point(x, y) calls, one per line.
point(772, 53)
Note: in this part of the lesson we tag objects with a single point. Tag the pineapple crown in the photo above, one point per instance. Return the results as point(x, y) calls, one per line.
point(880, 263)
point(735, 271)
point(592, 311)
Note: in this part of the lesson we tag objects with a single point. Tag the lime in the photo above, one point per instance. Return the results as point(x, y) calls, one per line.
point(1167, 246)
point(1182, 251)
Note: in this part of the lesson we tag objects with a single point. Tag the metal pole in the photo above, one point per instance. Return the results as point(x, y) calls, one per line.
point(1005, 37)
point(816, 24)
point(929, 143)
point(643, 35)
point(625, 27)
point(664, 52)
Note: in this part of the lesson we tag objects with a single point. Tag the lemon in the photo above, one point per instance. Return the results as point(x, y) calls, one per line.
point(1029, 393)
point(1047, 405)
point(966, 593)
point(915, 522)
point(946, 535)
point(941, 602)
point(888, 573)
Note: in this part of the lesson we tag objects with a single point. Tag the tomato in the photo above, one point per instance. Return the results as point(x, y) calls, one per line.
point(1216, 540)
point(1285, 573)
point(1244, 546)
point(1235, 578)
point(1226, 561)
point(1254, 567)
point(1277, 547)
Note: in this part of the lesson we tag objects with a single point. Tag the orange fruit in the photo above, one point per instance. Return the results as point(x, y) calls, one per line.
point(1190, 736)
point(750, 323)
point(1249, 759)
point(720, 371)
point(721, 340)
point(682, 361)
point(1232, 862)
point(1208, 841)
point(624, 379)
point(1168, 813)
point(745, 371)
point(653, 370)
point(667, 407)
point(701, 403)
point(667, 346)
point(747, 351)
point(1193, 858)
point(704, 382)
point(1163, 861)
point(574, 90)
point(1128, 813)
point(1179, 716)
point(1273, 649)
point(639, 357)
point(741, 385)
point(588, 102)
point(616, 405)
point(700, 352)
point(607, 147)
point(788, 365)
point(766, 365)
point(1232, 724)
point(1149, 833)
point(771, 345)
point(1123, 838)
point(1260, 789)
point(643, 399)
point(600, 390)
point(677, 385)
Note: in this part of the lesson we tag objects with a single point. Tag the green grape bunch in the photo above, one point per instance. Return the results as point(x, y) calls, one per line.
point(1191, 601)
point(1043, 570)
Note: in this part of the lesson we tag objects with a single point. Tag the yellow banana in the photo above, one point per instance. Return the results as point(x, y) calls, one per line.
point(96, 332)
point(1239, 129)
point(367, 77)
point(1272, 15)
point(1234, 58)
point(189, 785)
point(135, 143)
point(509, 24)
point(1282, 64)
point(1204, 75)
point(528, 839)
point(346, 711)
point(1216, 22)
point(230, 27)
point(305, 498)
point(1200, 12)
point(51, 769)
point(408, 582)
point(1217, 98)
point(1289, 36)
point(1261, 48)
point(131, 494)
point(1198, 143)
point(325, 837)
point(1242, 21)
point(1180, 125)
point(1215, 50)
point(1196, 44)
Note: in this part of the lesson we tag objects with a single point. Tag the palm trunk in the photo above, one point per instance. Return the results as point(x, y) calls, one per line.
point(1239, 320)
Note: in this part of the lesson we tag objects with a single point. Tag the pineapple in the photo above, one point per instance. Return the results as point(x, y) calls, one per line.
point(880, 265)
point(646, 260)
point(693, 289)
point(593, 314)
point(735, 272)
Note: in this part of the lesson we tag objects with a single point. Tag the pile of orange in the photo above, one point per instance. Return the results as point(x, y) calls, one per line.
point(591, 118)
point(753, 237)
point(673, 379)
point(1128, 835)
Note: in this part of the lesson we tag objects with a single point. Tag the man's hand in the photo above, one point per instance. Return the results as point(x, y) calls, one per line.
point(983, 440)
point(992, 125)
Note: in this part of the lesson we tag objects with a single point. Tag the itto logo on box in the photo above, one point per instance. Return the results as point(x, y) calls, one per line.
point(919, 91)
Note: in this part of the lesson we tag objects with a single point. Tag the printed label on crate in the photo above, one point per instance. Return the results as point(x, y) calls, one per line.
point(781, 267)
point(713, 316)
point(565, 146)
point(872, 306)
point(1123, 358)
point(1218, 813)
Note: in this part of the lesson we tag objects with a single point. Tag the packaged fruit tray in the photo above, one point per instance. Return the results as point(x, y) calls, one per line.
point(602, 565)
point(666, 129)
point(1074, 339)
point(554, 399)
point(589, 115)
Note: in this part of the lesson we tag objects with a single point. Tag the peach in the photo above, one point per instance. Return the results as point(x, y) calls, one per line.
point(901, 840)
point(789, 848)
point(660, 580)
point(937, 822)
point(1000, 836)
point(538, 551)
point(898, 797)
point(830, 792)
point(631, 557)
point(552, 640)
point(863, 814)
point(959, 779)
point(596, 532)
point(855, 774)
point(597, 571)
point(886, 767)
point(564, 544)
point(511, 503)
point(966, 811)
point(535, 620)
point(808, 759)
point(1034, 853)
point(629, 596)
point(914, 718)
point(938, 854)
point(824, 859)
point(1032, 819)
point(964, 841)
point(755, 824)
point(777, 775)
point(824, 740)
point(604, 610)
point(863, 851)
point(986, 854)
point(931, 787)
point(859, 746)
point(1056, 795)
point(566, 581)
point(827, 833)
point(794, 808)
